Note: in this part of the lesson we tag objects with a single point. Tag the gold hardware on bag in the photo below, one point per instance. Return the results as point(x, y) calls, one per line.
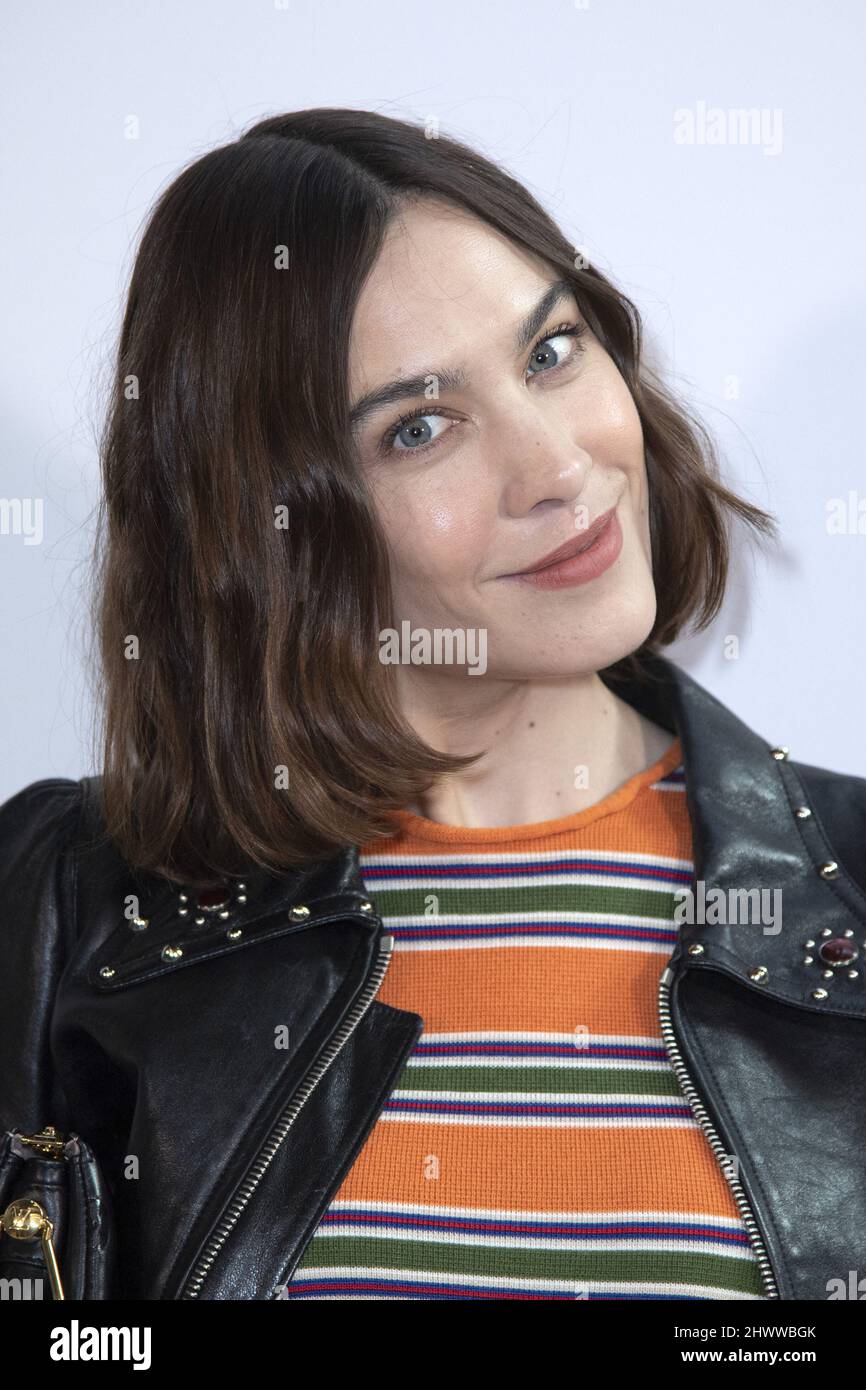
point(48, 1141)
point(24, 1219)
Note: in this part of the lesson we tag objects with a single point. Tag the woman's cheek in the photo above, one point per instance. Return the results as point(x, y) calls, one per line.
point(441, 532)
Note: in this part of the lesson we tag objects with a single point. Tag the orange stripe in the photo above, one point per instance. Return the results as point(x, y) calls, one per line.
point(540, 1169)
point(513, 988)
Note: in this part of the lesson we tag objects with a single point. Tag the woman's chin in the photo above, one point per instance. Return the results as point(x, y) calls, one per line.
point(619, 627)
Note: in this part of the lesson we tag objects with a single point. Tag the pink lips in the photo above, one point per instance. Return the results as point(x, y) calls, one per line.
point(601, 549)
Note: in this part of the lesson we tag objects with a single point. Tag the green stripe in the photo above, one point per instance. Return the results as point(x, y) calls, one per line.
point(533, 897)
point(545, 1080)
point(728, 1272)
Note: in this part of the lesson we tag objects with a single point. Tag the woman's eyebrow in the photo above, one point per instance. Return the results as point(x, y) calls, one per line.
point(455, 378)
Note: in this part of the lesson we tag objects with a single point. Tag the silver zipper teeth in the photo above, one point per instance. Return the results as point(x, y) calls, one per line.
point(700, 1113)
point(287, 1119)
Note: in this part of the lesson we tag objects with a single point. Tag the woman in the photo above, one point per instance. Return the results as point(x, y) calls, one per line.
point(551, 988)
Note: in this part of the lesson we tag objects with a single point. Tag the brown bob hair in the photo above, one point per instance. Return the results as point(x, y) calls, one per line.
point(245, 719)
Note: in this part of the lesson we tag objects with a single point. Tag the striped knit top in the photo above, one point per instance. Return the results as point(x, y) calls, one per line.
point(537, 1144)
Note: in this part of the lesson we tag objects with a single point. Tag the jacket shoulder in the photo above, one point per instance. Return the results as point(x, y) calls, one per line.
point(846, 783)
point(38, 820)
point(838, 801)
point(38, 827)
point(39, 824)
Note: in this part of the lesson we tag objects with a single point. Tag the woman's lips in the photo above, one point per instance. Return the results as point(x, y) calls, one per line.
point(580, 568)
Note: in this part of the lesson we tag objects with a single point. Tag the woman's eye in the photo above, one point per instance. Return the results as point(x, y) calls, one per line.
point(552, 351)
point(413, 433)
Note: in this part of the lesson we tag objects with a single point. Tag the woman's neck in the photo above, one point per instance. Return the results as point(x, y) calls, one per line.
point(554, 747)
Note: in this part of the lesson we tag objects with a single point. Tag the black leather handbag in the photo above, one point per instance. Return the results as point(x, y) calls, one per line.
point(56, 1219)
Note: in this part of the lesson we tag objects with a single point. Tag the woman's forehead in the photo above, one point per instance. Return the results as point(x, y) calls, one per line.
point(441, 279)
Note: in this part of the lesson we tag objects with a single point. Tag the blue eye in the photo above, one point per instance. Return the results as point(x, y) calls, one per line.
point(414, 424)
point(541, 354)
point(419, 433)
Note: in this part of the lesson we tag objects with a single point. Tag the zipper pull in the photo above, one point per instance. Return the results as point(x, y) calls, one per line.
point(24, 1219)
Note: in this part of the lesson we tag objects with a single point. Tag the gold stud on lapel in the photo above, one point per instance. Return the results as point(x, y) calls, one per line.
point(819, 994)
point(760, 974)
point(780, 754)
point(299, 913)
point(171, 952)
point(696, 949)
point(107, 971)
point(829, 870)
point(802, 812)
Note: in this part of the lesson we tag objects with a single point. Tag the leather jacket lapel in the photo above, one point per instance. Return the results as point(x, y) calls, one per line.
point(771, 1035)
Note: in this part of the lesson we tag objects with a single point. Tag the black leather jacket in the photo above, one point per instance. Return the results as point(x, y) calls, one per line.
point(222, 1150)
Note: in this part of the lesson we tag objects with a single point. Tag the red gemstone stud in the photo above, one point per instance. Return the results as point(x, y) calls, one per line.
point(220, 899)
point(212, 899)
point(838, 952)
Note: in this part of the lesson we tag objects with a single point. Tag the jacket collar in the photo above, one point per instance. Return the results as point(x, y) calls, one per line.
point(742, 794)
point(746, 801)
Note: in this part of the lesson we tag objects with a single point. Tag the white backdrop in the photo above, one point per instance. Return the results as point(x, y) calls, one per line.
point(741, 245)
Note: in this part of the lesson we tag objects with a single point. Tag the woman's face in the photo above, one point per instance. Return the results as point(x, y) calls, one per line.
point(516, 438)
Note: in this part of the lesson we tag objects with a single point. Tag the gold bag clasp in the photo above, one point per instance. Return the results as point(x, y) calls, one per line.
point(24, 1219)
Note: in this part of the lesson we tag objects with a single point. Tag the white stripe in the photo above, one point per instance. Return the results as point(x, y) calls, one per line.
point(571, 916)
point(523, 857)
point(662, 1289)
point(589, 878)
point(575, 943)
point(544, 1121)
point(529, 1214)
point(510, 1036)
point(480, 1059)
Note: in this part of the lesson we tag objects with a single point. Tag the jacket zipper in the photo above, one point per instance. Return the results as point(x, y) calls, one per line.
point(700, 1113)
point(263, 1159)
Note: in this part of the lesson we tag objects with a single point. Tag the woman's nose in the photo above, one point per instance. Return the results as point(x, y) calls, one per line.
point(540, 463)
